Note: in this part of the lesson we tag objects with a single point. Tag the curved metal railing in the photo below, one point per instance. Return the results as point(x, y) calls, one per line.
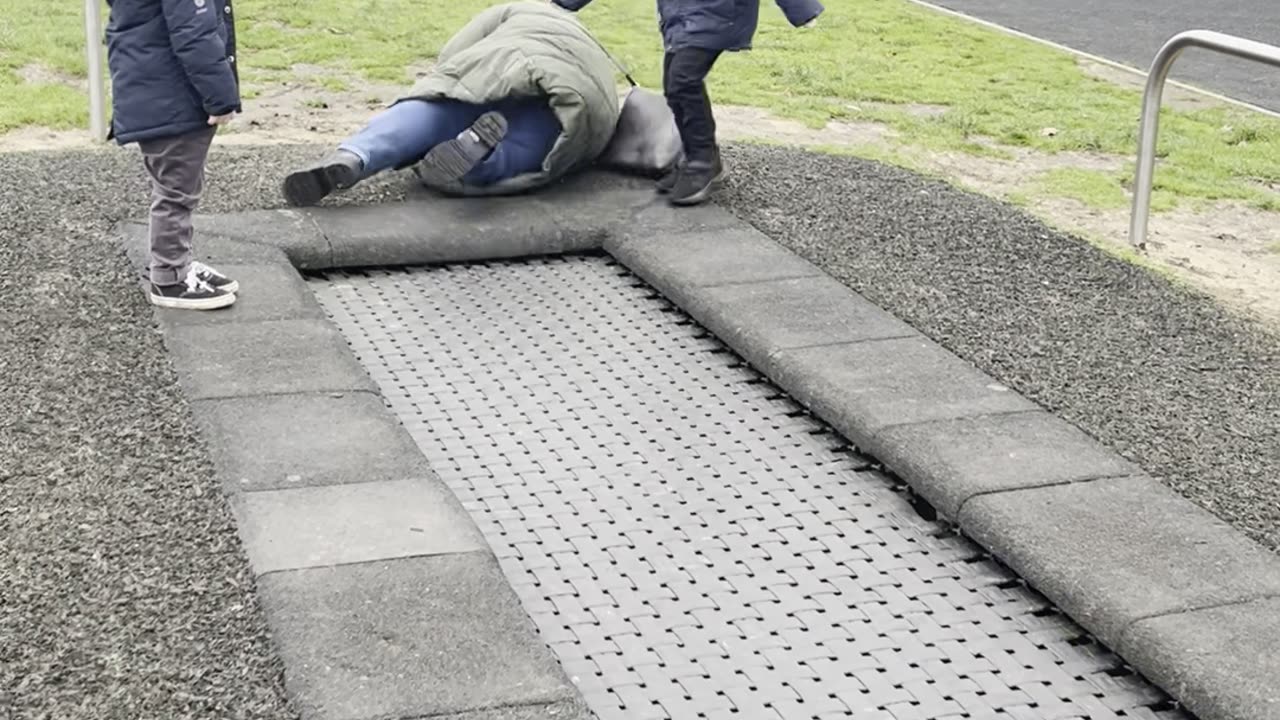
point(1154, 95)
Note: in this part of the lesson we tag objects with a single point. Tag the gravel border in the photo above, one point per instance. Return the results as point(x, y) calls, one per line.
point(922, 239)
point(126, 593)
point(1155, 371)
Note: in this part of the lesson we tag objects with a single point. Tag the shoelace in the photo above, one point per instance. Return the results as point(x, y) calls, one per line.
point(194, 283)
point(203, 270)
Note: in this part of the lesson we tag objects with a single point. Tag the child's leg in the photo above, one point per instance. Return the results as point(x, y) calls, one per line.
point(403, 133)
point(176, 167)
point(668, 86)
point(532, 130)
point(686, 91)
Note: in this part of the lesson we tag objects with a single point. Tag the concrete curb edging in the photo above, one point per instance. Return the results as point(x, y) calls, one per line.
point(1173, 590)
point(1153, 576)
point(383, 598)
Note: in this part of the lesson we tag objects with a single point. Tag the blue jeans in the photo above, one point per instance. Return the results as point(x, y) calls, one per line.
point(403, 133)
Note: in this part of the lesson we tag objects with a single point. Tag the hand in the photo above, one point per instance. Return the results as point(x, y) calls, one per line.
point(221, 119)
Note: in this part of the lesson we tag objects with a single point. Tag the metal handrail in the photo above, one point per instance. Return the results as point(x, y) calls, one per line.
point(1153, 97)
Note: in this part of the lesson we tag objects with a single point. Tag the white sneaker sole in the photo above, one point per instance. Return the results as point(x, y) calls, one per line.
point(213, 303)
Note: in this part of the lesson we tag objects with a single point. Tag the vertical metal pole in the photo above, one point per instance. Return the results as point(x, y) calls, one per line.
point(1148, 132)
point(97, 77)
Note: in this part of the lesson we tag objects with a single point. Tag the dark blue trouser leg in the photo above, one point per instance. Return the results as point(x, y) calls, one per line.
point(685, 85)
point(404, 132)
point(532, 130)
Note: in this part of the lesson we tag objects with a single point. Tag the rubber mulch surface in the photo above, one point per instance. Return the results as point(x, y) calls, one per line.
point(125, 593)
point(1161, 375)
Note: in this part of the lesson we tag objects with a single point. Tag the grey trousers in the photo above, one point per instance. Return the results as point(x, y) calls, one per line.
point(176, 167)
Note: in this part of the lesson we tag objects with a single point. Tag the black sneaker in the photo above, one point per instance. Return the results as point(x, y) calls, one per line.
point(191, 294)
point(449, 161)
point(213, 278)
point(696, 182)
point(339, 170)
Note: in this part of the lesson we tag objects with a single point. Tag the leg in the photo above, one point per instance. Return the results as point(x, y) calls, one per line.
point(532, 130)
point(668, 87)
point(403, 133)
point(688, 98)
point(398, 136)
point(176, 167)
point(667, 182)
point(686, 91)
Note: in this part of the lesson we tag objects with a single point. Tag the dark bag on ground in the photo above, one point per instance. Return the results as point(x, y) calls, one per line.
point(646, 141)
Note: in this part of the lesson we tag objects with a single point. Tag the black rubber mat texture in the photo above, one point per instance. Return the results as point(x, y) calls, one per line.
point(688, 540)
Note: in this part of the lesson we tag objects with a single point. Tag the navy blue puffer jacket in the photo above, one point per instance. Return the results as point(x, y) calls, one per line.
point(172, 66)
point(715, 24)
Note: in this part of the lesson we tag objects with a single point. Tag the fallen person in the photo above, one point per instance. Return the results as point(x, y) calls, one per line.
point(520, 97)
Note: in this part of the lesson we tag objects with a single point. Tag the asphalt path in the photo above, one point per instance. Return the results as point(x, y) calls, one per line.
point(1132, 31)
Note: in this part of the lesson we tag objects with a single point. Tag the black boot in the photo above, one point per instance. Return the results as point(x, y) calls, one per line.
point(339, 170)
point(667, 183)
point(697, 181)
point(450, 161)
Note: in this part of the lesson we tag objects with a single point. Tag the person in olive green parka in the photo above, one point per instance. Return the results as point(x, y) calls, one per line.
point(520, 97)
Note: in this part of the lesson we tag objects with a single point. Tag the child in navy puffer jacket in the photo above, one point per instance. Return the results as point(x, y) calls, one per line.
point(695, 34)
point(173, 82)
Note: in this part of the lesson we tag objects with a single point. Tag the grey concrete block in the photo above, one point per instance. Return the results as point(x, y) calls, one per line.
point(342, 524)
point(268, 291)
point(760, 319)
point(552, 711)
point(407, 638)
point(1223, 663)
point(445, 230)
point(213, 249)
point(1112, 552)
point(291, 231)
point(656, 218)
point(301, 440)
point(586, 220)
point(242, 359)
point(950, 461)
point(865, 388)
point(677, 264)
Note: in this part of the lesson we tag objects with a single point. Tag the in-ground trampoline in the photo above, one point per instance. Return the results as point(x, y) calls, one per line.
point(687, 539)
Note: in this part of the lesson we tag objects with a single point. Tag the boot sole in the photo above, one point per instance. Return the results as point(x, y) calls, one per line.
point(210, 303)
point(448, 162)
point(308, 187)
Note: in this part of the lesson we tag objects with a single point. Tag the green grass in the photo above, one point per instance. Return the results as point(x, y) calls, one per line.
point(999, 91)
point(1091, 187)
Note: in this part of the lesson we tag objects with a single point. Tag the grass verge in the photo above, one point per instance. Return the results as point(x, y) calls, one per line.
point(874, 60)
